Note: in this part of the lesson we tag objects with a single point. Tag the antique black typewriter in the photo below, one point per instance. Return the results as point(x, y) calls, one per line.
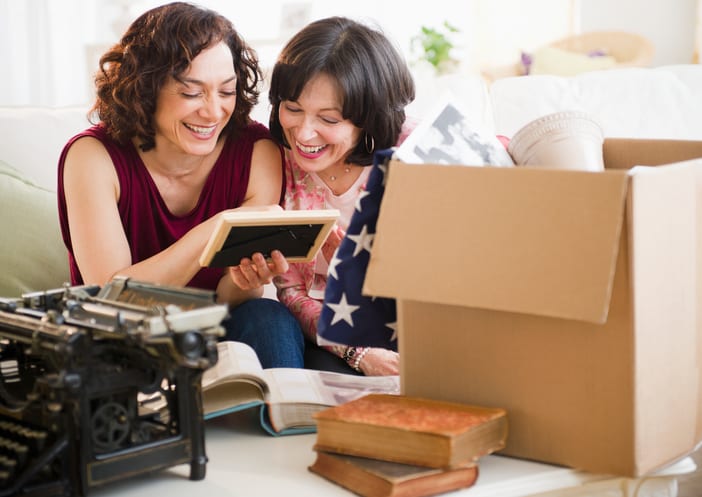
point(78, 366)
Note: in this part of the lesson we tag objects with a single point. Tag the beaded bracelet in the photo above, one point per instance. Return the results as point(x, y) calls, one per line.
point(359, 356)
point(349, 354)
point(353, 356)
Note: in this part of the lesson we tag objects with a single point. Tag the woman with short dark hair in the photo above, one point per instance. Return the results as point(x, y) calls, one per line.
point(371, 76)
point(173, 147)
point(338, 93)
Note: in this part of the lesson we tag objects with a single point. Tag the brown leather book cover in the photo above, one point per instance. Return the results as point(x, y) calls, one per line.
point(412, 430)
point(376, 478)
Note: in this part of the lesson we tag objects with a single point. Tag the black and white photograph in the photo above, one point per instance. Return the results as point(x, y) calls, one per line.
point(448, 136)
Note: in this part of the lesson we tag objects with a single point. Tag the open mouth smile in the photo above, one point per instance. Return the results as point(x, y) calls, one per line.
point(201, 130)
point(310, 149)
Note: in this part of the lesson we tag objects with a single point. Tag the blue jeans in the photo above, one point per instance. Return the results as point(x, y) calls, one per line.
point(270, 329)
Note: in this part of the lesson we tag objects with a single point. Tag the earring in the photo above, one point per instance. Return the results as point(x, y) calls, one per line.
point(370, 146)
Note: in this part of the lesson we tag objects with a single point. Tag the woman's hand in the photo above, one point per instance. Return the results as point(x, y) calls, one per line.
point(256, 272)
point(380, 362)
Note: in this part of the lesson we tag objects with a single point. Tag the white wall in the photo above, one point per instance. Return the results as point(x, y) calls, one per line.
point(669, 24)
point(491, 31)
point(50, 47)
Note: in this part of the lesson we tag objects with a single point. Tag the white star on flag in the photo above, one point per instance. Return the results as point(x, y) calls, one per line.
point(383, 169)
point(369, 326)
point(343, 311)
point(332, 266)
point(393, 327)
point(361, 196)
point(363, 240)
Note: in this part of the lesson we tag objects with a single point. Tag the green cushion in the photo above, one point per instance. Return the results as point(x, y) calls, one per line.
point(32, 254)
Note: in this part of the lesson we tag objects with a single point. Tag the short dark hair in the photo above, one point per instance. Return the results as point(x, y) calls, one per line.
point(372, 77)
point(159, 44)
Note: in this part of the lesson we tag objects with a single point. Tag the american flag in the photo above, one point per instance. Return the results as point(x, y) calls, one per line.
point(348, 317)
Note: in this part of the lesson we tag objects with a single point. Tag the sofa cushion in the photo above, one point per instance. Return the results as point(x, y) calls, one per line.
point(32, 254)
point(468, 91)
point(634, 102)
point(31, 138)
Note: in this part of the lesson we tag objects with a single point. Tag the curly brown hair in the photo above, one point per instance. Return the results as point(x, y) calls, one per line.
point(161, 44)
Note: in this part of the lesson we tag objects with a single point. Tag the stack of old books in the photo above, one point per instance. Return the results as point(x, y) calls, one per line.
point(385, 445)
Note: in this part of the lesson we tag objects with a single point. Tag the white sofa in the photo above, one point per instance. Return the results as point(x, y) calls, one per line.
point(663, 102)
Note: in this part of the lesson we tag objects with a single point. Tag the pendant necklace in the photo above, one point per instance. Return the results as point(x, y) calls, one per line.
point(332, 177)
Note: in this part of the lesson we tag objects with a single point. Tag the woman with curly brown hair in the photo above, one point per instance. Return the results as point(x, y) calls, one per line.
point(172, 147)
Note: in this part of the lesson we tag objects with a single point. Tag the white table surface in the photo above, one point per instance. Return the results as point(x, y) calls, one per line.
point(245, 461)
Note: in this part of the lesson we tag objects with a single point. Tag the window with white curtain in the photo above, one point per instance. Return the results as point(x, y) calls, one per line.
point(42, 49)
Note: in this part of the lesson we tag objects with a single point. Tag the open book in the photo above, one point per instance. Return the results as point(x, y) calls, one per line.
point(287, 397)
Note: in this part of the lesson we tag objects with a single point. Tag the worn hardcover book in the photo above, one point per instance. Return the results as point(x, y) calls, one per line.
point(240, 233)
point(412, 430)
point(377, 478)
point(286, 397)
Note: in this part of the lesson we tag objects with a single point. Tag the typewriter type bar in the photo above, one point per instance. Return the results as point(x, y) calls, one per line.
point(75, 365)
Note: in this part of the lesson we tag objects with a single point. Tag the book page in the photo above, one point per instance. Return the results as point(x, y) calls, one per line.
point(235, 382)
point(236, 359)
point(296, 394)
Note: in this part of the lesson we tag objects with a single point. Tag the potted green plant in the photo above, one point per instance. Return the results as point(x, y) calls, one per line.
point(434, 46)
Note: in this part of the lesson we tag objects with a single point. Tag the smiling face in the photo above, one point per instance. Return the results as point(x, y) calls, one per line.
point(192, 111)
point(318, 135)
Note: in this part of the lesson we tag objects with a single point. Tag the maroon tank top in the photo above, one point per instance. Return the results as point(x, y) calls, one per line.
point(148, 224)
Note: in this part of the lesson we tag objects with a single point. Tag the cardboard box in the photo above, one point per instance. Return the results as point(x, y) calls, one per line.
point(569, 298)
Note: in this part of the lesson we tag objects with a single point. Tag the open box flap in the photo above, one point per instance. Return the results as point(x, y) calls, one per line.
point(664, 274)
point(529, 240)
point(624, 153)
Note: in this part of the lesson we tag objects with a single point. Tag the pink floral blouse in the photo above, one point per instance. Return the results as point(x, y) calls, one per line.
point(301, 289)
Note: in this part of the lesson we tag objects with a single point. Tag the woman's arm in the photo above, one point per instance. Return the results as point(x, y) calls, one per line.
point(265, 185)
point(292, 292)
point(99, 242)
point(266, 175)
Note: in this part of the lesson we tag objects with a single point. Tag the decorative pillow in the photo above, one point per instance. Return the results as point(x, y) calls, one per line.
point(32, 254)
point(559, 62)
